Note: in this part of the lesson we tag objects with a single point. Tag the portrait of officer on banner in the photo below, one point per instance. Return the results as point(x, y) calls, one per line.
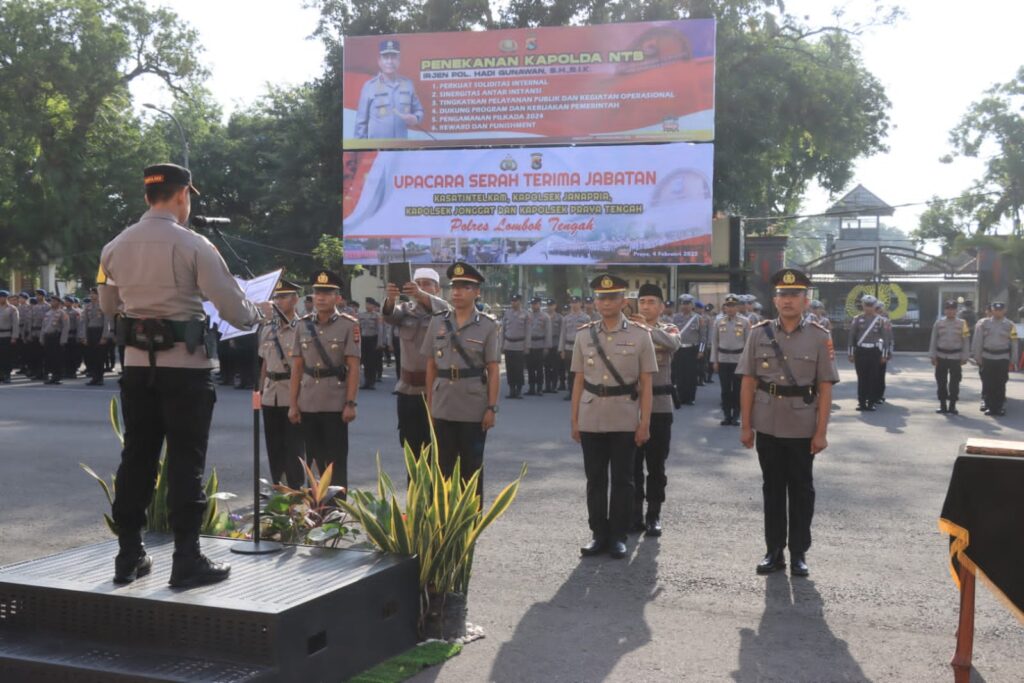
point(388, 104)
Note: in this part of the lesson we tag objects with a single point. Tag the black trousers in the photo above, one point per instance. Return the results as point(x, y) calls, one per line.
point(787, 473)
point(284, 446)
point(244, 360)
point(53, 353)
point(413, 422)
point(684, 373)
point(35, 354)
point(994, 375)
point(948, 373)
point(730, 388)
point(226, 356)
point(369, 358)
point(178, 408)
point(868, 363)
point(604, 453)
point(94, 352)
point(535, 366)
point(325, 436)
point(552, 368)
point(72, 355)
point(462, 441)
point(514, 368)
point(883, 370)
point(6, 357)
point(654, 453)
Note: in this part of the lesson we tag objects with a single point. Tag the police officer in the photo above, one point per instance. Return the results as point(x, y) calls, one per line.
point(572, 322)
point(158, 272)
point(887, 350)
point(654, 453)
point(325, 377)
point(388, 104)
point(277, 339)
point(949, 349)
point(25, 323)
point(72, 350)
point(869, 337)
point(54, 334)
point(35, 347)
point(820, 316)
point(552, 358)
point(614, 362)
point(538, 341)
point(728, 338)
point(686, 362)
point(462, 347)
point(370, 329)
point(513, 337)
point(588, 308)
point(788, 368)
point(96, 334)
point(995, 350)
point(10, 328)
point(411, 319)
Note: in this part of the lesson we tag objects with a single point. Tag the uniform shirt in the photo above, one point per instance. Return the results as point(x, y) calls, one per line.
point(951, 339)
point(10, 322)
point(513, 330)
point(93, 318)
point(74, 316)
point(729, 338)
point(995, 340)
point(380, 102)
point(56, 322)
point(630, 350)
point(875, 330)
point(464, 399)
point(809, 353)
point(25, 314)
point(276, 343)
point(36, 316)
point(556, 329)
point(665, 337)
point(339, 337)
point(571, 323)
point(691, 328)
point(159, 269)
point(412, 320)
point(370, 323)
point(538, 327)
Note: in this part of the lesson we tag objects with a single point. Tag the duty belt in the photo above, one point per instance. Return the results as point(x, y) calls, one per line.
point(454, 374)
point(663, 390)
point(1006, 350)
point(951, 350)
point(324, 373)
point(686, 346)
point(540, 338)
point(867, 346)
point(774, 389)
point(278, 376)
point(604, 390)
point(730, 350)
point(514, 339)
point(415, 379)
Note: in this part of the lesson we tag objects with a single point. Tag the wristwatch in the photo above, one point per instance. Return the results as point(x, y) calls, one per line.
point(350, 403)
point(493, 409)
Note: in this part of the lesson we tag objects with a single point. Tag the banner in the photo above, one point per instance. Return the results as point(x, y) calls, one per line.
point(640, 82)
point(561, 205)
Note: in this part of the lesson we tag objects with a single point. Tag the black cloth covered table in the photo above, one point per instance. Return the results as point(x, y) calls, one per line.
point(984, 517)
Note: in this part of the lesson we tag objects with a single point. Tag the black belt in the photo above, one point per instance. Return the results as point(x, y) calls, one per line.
point(278, 376)
point(1006, 350)
point(603, 390)
point(730, 350)
point(514, 339)
point(453, 373)
point(541, 338)
point(324, 373)
point(951, 350)
point(785, 390)
point(663, 390)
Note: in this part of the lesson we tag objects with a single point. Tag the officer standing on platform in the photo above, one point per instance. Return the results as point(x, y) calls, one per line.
point(868, 339)
point(995, 351)
point(788, 368)
point(277, 339)
point(552, 358)
point(10, 328)
point(463, 354)
point(513, 331)
point(54, 336)
point(411, 319)
point(388, 104)
point(686, 362)
point(369, 330)
point(538, 341)
point(157, 274)
point(572, 322)
point(949, 349)
point(728, 338)
point(97, 335)
point(614, 364)
point(654, 453)
point(325, 377)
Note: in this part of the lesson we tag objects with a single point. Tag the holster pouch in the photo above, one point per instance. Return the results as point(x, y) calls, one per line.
point(195, 332)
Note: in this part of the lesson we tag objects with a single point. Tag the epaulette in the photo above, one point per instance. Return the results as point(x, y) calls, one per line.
point(642, 326)
point(760, 324)
point(586, 325)
point(349, 316)
point(818, 325)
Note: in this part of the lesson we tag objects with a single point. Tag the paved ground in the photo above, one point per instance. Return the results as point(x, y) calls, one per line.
point(879, 605)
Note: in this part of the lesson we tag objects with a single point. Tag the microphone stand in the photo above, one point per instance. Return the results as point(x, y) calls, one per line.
point(255, 546)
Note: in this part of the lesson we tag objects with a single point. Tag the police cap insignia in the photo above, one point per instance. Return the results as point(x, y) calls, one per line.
point(789, 278)
point(606, 282)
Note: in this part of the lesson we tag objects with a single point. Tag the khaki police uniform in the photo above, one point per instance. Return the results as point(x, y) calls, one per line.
point(784, 418)
point(553, 370)
point(56, 328)
point(654, 453)
point(10, 329)
point(370, 331)
point(25, 324)
point(95, 331)
point(728, 338)
point(513, 338)
point(285, 449)
point(870, 342)
point(538, 341)
point(995, 348)
point(949, 349)
point(73, 349)
point(35, 346)
point(380, 102)
point(686, 362)
point(571, 324)
point(608, 417)
point(323, 388)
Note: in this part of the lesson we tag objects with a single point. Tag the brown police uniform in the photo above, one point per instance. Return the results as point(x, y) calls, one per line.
point(513, 343)
point(995, 348)
point(949, 349)
point(728, 337)
point(10, 329)
point(538, 340)
point(56, 327)
point(284, 440)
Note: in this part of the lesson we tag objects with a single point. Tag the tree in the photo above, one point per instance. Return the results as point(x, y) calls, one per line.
point(944, 221)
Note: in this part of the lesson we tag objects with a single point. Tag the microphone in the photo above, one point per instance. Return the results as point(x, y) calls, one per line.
point(210, 221)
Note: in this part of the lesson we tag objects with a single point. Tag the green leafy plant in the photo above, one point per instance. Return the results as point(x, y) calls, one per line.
point(215, 520)
point(309, 514)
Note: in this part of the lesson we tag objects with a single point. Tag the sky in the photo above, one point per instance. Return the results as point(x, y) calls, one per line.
point(933, 64)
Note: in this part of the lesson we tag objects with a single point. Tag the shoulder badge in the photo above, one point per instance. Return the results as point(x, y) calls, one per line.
point(762, 323)
point(349, 316)
point(815, 323)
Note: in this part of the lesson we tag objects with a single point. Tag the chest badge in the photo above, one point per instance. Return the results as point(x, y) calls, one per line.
point(440, 353)
point(764, 364)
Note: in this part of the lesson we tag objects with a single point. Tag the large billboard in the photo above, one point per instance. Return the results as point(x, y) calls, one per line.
point(640, 204)
point(641, 82)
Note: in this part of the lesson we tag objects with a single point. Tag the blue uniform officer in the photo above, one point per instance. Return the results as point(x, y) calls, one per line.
point(388, 104)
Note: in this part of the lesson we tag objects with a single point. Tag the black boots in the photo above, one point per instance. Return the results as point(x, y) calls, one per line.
point(533, 390)
point(131, 562)
point(942, 407)
point(952, 407)
point(798, 565)
point(772, 562)
point(191, 568)
point(653, 526)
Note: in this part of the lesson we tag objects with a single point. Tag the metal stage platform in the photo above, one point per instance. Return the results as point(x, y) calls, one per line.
point(304, 614)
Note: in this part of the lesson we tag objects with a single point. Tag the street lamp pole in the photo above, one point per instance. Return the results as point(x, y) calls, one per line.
point(181, 130)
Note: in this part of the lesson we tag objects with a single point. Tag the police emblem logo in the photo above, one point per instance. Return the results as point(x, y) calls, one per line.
point(606, 283)
point(322, 279)
point(789, 278)
point(459, 270)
